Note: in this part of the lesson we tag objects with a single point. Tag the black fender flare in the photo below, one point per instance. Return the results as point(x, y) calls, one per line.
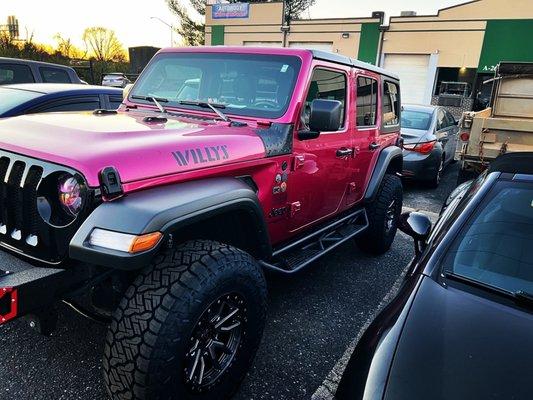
point(166, 209)
point(390, 160)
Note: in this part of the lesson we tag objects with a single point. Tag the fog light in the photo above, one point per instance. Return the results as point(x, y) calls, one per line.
point(123, 241)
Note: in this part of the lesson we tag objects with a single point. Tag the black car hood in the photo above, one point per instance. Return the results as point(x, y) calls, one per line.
point(456, 345)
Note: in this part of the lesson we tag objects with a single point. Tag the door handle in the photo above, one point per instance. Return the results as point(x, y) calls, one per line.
point(344, 152)
point(373, 146)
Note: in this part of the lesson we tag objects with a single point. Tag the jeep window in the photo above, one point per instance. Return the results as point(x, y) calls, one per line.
point(11, 98)
point(15, 73)
point(328, 85)
point(391, 104)
point(367, 101)
point(247, 84)
point(494, 247)
point(54, 75)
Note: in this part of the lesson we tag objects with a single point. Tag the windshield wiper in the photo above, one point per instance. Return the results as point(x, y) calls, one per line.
point(205, 104)
point(156, 100)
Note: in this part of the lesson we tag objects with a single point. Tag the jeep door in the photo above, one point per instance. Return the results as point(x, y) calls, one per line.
point(366, 87)
point(321, 166)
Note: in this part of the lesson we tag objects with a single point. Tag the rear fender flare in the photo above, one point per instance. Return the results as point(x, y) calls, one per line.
point(390, 160)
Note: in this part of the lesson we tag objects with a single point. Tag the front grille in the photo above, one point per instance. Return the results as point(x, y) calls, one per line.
point(18, 198)
point(22, 228)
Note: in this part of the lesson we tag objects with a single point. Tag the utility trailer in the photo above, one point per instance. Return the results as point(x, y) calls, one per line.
point(506, 126)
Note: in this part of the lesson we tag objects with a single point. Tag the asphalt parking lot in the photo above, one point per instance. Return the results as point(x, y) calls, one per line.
point(313, 318)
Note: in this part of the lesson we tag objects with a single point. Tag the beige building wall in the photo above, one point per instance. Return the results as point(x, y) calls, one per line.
point(456, 34)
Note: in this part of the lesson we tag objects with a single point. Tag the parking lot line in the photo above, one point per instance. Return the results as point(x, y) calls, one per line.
point(327, 389)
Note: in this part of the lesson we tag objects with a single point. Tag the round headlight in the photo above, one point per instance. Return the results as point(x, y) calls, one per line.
point(70, 194)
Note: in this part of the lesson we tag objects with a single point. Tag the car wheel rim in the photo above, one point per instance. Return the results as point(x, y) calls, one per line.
point(214, 342)
point(390, 216)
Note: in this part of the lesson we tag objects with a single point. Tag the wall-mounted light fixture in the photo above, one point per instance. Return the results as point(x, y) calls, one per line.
point(345, 35)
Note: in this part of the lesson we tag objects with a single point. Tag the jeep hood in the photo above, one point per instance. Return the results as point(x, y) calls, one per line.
point(136, 148)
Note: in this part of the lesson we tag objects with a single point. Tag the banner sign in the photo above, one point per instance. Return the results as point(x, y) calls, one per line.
point(232, 10)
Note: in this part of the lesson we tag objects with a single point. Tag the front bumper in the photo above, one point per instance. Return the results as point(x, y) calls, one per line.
point(26, 288)
point(421, 166)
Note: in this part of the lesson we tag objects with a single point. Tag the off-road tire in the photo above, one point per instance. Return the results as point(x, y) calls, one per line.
point(151, 330)
point(378, 237)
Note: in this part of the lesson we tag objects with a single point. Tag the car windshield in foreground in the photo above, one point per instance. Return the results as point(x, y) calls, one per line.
point(495, 248)
point(253, 85)
point(416, 119)
point(11, 98)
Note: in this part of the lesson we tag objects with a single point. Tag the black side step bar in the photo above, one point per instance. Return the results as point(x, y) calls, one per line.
point(300, 253)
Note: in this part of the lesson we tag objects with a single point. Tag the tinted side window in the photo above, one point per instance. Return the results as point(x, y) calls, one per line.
point(367, 101)
point(115, 102)
point(14, 73)
point(78, 104)
point(450, 118)
point(54, 75)
point(328, 85)
point(441, 120)
point(391, 104)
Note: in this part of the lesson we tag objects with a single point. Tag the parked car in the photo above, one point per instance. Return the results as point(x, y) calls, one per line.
point(34, 98)
point(15, 71)
point(460, 327)
point(162, 216)
point(115, 79)
point(430, 137)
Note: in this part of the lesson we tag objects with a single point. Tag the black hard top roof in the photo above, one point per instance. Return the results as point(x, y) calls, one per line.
point(340, 59)
point(7, 60)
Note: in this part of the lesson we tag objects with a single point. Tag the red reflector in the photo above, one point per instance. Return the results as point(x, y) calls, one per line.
point(464, 136)
point(8, 304)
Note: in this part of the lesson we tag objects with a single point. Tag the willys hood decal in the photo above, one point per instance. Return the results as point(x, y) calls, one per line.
point(136, 148)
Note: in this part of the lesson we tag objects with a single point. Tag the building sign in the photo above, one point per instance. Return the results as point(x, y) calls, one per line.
point(232, 10)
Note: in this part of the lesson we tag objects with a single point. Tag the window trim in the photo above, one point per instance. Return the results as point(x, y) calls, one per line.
point(346, 121)
point(64, 101)
point(363, 127)
point(390, 128)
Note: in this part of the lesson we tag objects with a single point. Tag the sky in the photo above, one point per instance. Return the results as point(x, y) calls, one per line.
point(132, 23)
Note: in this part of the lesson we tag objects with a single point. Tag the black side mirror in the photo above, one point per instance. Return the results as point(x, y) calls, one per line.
point(325, 115)
point(417, 225)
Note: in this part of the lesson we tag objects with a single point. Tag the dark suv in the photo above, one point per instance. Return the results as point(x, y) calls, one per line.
point(14, 70)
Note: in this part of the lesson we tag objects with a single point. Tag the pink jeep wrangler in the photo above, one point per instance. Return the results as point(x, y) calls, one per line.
point(160, 218)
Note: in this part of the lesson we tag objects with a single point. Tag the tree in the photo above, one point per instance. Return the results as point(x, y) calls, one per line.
point(67, 48)
point(193, 32)
point(104, 44)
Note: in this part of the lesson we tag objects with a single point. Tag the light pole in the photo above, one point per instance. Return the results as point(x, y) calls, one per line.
point(171, 29)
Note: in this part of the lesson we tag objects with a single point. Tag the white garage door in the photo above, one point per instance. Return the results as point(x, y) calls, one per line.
point(263, 44)
point(413, 72)
point(324, 46)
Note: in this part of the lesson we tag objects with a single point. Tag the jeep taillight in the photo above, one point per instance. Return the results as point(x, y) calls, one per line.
point(422, 148)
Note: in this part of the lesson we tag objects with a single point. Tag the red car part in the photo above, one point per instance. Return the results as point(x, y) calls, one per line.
point(8, 304)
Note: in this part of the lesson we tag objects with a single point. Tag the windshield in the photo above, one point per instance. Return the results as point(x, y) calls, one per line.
point(495, 247)
point(11, 98)
point(416, 119)
point(246, 84)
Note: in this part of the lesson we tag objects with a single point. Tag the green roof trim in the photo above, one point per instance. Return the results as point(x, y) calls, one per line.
point(506, 40)
point(368, 42)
